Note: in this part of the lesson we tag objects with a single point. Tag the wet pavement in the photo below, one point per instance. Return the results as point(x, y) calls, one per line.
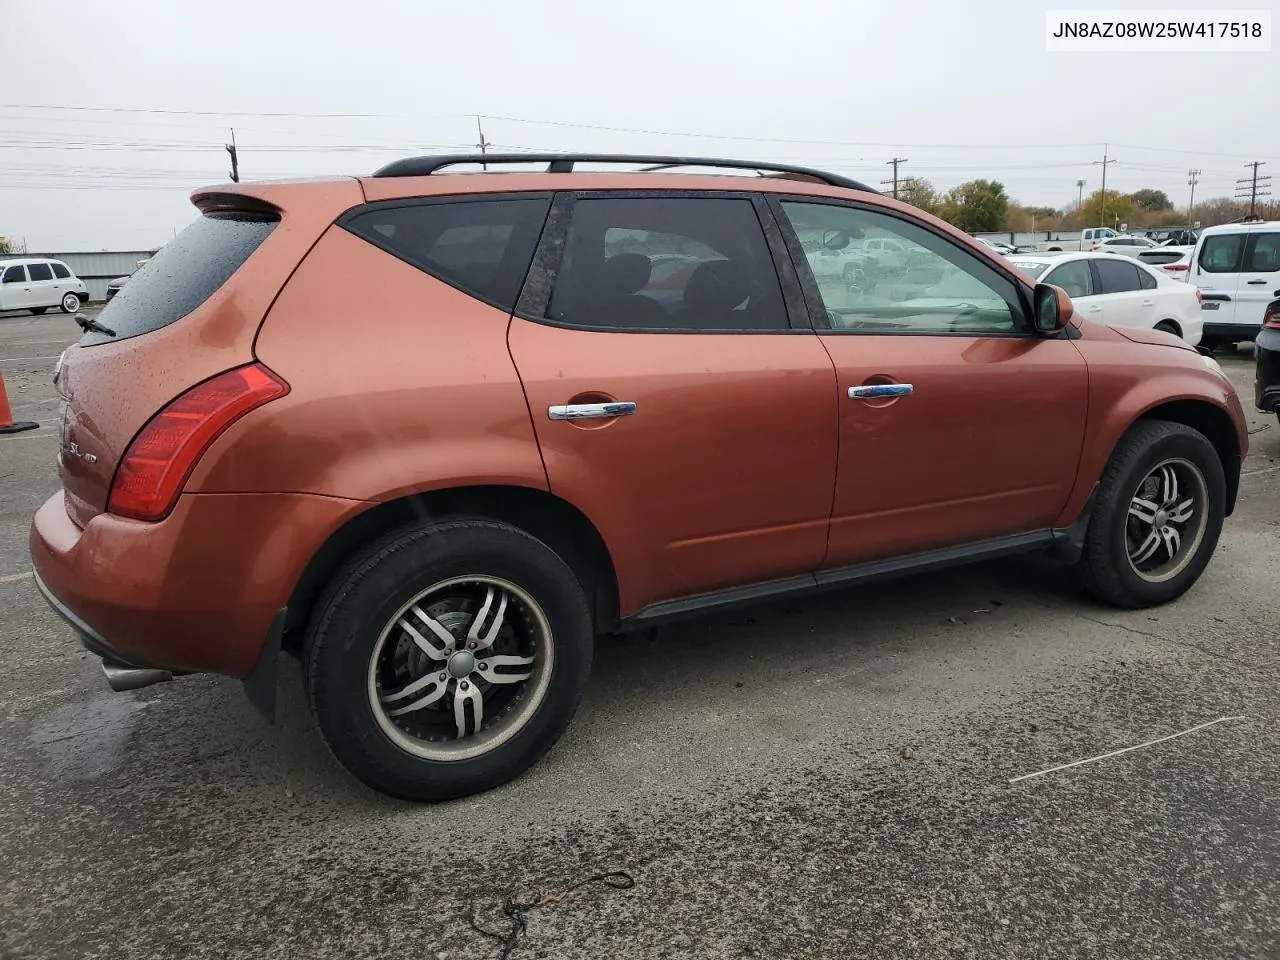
point(827, 778)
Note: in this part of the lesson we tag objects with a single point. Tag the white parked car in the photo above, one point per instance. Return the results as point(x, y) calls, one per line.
point(1125, 246)
point(1175, 261)
point(1120, 291)
point(1001, 248)
point(36, 284)
point(1236, 267)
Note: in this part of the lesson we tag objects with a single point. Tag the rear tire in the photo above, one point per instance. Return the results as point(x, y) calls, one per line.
point(70, 303)
point(1162, 476)
point(1168, 326)
point(38, 310)
point(397, 705)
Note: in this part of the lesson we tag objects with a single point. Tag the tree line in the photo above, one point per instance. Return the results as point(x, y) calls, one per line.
point(983, 206)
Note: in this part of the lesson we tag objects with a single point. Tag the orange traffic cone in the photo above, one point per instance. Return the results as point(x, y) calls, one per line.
point(7, 424)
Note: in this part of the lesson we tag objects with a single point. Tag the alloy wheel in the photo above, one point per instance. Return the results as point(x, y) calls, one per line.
point(460, 668)
point(1167, 517)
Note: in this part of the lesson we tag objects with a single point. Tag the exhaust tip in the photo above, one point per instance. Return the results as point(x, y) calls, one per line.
point(121, 678)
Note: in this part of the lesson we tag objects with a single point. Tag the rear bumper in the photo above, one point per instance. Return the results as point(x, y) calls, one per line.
point(197, 592)
point(1266, 376)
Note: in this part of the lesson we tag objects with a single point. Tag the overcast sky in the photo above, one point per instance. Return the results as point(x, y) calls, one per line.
point(961, 89)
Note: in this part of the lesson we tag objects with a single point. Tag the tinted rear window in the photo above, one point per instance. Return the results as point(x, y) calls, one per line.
point(61, 272)
point(1117, 276)
point(184, 274)
point(482, 247)
point(40, 271)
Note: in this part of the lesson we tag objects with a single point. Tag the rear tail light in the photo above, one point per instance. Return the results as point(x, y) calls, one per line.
point(1199, 297)
point(1177, 267)
point(1271, 319)
point(164, 452)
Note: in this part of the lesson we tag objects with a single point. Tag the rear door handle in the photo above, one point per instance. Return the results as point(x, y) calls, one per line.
point(1147, 303)
point(591, 411)
point(874, 391)
point(1255, 283)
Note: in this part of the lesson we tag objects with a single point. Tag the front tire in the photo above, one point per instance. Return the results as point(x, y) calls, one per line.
point(447, 659)
point(1157, 518)
point(70, 303)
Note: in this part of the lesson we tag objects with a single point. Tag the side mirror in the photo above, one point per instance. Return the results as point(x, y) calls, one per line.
point(1053, 309)
point(835, 239)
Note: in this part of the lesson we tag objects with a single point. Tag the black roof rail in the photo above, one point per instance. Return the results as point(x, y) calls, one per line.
point(563, 163)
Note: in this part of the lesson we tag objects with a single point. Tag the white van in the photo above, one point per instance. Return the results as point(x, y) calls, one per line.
point(1237, 269)
point(36, 284)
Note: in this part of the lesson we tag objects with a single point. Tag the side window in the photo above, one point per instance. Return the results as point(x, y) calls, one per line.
point(1075, 277)
point(1117, 276)
point(482, 247)
point(15, 274)
point(883, 274)
point(40, 271)
point(666, 263)
point(1265, 255)
point(1221, 254)
point(1147, 280)
point(61, 272)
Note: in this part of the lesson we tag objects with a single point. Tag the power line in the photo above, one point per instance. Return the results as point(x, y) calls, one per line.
point(188, 113)
point(1252, 184)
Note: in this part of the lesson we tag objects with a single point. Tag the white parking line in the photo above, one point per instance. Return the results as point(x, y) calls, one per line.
point(16, 359)
point(1116, 753)
point(15, 577)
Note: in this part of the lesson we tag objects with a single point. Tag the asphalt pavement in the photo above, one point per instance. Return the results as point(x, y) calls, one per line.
point(825, 778)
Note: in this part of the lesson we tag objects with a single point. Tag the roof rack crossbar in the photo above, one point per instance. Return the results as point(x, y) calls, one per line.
point(564, 163)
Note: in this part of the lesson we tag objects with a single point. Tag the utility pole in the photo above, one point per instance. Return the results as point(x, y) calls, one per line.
point(483, 144)
point(1193, 177)
point(1102, 202)
point(1080, 195)
point(894, 162)
point(1249, 186)
point(235, 158)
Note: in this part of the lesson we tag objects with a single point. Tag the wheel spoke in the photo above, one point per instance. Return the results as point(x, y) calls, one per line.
point(435, 650)
point(1168, 485)
point(1147, 548)
point(1170, 538)
point(436, 691)
point(489, 669)
point(467, 692)
point(477, 637)
point(1143, 510)
point(1182, 512)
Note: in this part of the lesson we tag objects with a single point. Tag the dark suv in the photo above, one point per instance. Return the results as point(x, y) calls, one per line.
point(437, 431)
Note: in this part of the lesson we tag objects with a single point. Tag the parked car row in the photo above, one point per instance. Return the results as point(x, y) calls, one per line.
point(37, 284)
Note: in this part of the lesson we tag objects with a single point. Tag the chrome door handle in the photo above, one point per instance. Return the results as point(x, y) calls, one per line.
point(591, 411)
point(874, 391)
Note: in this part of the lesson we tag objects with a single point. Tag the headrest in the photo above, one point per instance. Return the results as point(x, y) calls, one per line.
point(626, 273)
point(716, 285)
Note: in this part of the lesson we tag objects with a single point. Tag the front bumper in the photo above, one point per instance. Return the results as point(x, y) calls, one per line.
point(197, 592)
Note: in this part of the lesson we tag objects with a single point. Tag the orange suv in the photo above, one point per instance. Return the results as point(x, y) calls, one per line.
point(435, 431)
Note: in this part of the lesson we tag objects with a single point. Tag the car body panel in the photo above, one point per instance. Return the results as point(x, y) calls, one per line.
point(194, 591)
point(680, 491)
point(101, 418)
point(399, 384)
point(1127, 381)
point(986, 445)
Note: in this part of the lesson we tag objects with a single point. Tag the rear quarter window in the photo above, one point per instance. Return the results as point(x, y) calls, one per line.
point(184, 274)
point(482, 247)
point(1221, 254)
point(61, 272)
